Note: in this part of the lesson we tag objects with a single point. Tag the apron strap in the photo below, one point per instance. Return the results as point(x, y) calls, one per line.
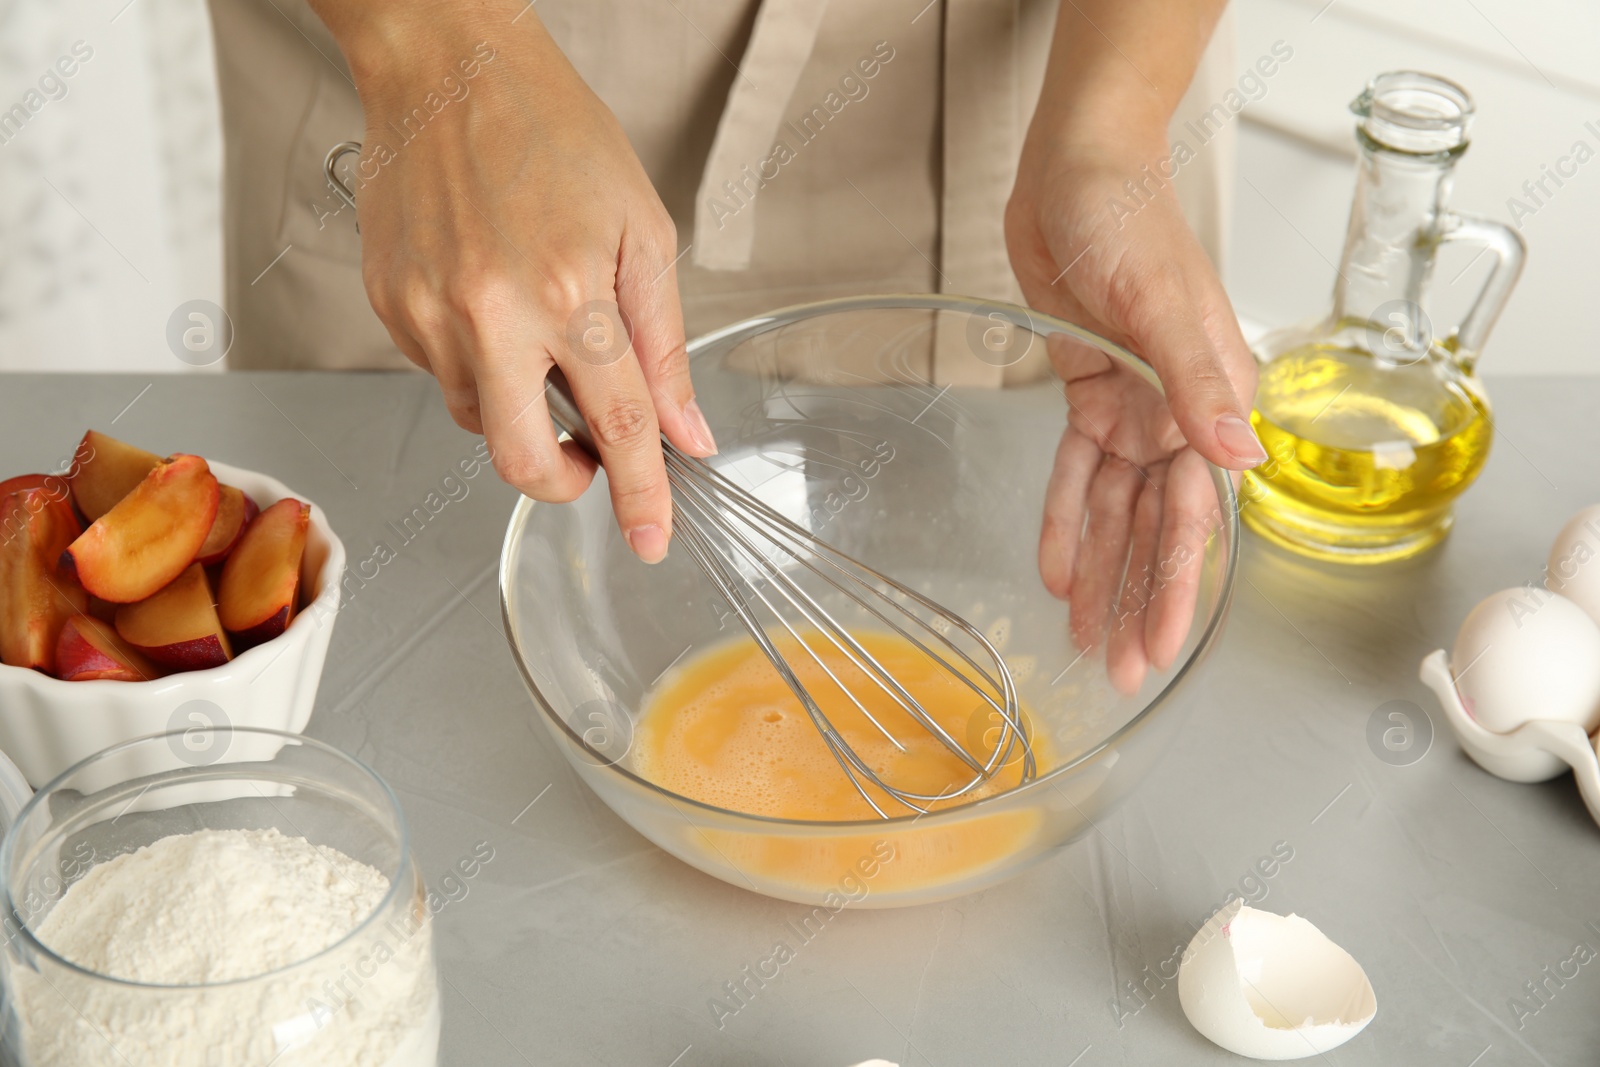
point(781, 42)
point(983, 126)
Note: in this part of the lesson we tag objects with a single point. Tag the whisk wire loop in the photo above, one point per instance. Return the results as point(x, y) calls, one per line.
point(704, 555)
point(754, 555)
point(765, 547)
point(804, 546)
point(837, 635)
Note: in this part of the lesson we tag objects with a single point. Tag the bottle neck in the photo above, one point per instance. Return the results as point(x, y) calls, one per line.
point(1394, 231)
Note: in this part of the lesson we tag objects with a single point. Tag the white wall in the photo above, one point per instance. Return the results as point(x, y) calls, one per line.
point(109, 196)
point(1529, 66)
point(134, 147)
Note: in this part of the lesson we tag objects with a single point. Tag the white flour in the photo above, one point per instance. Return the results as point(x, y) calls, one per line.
point(217, 906)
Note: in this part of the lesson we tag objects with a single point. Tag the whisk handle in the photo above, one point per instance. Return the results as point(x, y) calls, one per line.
point(565, 414)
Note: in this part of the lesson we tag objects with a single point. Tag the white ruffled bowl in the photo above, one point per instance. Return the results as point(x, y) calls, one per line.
point(47, 725)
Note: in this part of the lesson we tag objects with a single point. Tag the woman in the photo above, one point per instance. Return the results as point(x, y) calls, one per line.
point(535, 177)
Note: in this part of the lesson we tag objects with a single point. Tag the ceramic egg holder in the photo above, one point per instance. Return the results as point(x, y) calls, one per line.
point(1536, 725)
point(1536, 751)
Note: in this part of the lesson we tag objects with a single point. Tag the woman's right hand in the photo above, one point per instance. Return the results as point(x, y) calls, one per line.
point(508, 229)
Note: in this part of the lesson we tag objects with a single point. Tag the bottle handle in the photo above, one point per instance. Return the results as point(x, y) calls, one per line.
point(1509, 250)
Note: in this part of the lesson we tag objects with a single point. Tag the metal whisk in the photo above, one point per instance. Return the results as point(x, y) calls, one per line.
point(777, 575)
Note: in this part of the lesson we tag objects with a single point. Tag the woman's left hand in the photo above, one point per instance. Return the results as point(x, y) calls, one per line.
point(1130, 480)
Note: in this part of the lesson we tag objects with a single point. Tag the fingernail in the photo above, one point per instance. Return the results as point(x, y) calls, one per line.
point(1240, 440)
point(699, 429)
point(649, 543)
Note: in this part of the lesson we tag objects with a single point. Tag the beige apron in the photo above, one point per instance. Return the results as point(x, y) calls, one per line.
point(806, 150)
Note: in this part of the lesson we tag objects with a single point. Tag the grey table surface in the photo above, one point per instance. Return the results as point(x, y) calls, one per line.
point(580, 943)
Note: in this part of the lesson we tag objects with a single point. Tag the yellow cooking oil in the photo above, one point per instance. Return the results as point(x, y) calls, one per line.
point(1365, 457)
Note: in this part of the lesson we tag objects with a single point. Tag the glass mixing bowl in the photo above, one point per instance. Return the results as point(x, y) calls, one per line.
point(826, 413)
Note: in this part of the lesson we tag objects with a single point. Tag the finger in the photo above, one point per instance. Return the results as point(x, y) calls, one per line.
point(1185, 328)
point(1072, 359)
point(459, 387)
point(1190, 518)
point(647, 294)
point(1065, 504)
point(611, 392)
point(454, 375)
point(521, 439)
point(425, 342)
point(408, 346)
point(1103, 555)
point(1126, 658)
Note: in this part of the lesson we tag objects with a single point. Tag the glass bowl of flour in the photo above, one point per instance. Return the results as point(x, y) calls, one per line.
point(253, 901)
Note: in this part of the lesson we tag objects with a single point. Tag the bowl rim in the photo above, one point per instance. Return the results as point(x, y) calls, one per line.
point(332, 575)
point(396, 877)
point(1020, 316)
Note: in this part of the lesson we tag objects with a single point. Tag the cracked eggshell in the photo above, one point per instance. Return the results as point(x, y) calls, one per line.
point(1574, 566)
point(1272, 987)
point(1527, 653)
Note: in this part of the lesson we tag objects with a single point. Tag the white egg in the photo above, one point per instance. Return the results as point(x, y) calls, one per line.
point(1574, 566)
point(1528, 653)
point(1272, 987)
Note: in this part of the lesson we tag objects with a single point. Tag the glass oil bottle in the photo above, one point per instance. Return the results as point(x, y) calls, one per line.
point(1372, 424)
